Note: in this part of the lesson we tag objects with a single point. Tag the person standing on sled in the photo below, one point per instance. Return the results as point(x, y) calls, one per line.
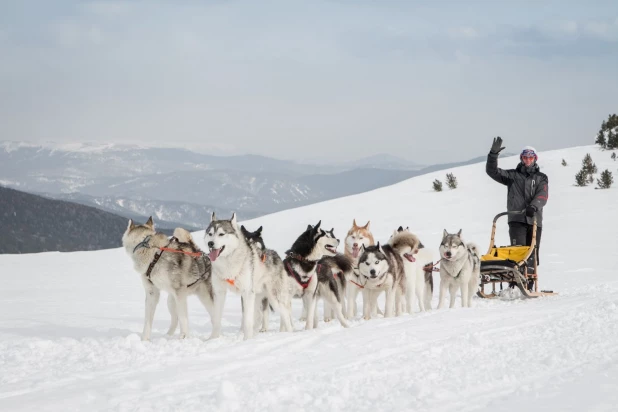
point(527, 190)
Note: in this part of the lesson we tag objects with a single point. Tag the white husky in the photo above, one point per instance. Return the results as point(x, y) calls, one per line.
point(460, 269)
point(414, 258)
point(238, 266)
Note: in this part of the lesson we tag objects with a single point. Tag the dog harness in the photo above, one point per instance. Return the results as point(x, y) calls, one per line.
point(157, 256)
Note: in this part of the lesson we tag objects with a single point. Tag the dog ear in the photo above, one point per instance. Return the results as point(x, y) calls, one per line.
point(233, 219)
point(317, 226)
point(354, 225)
point(459, 233)
point(243, 229)
point(366, 227)
point(150, 223)
point(213, 217)
point(131, 225)
point(400, 229)
point(444, 234)
point(259, 231)
point(379, 247)
point(309, 228)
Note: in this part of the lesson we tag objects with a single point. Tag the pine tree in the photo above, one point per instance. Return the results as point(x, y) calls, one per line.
point(588, 165)
point(564, 163)
point(451, 181)
point(581, 178)
point(437, 185)
point(601, 139)
point(614, 156)
point(612, 140)
point(606, 179)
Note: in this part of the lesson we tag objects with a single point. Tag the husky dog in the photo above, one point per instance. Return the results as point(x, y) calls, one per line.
point(423, 260)
point(383, 271)
point(237, 266)
point(273, 259)
point(333, 272)
point(407, 246)
point(460, 268)
point(301, 264)
point(180, 274)
point(357, 237)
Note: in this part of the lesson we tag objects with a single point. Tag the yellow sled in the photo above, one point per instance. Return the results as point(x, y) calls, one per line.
point(507, 264)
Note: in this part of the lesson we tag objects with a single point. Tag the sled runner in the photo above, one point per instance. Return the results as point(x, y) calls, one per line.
point(508, 264)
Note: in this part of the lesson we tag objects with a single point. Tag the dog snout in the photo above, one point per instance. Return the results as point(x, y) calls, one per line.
point(448, 254)
point(372, 272)
point(211, 244)
point(355, 245)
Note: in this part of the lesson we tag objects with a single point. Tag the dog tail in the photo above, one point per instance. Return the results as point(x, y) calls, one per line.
point(473, 250)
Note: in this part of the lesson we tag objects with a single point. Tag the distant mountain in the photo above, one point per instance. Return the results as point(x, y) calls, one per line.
point(382, 161)
point(181, 187)
point(33, 223)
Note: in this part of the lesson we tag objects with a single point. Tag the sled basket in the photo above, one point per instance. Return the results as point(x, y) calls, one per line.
point(508, 264)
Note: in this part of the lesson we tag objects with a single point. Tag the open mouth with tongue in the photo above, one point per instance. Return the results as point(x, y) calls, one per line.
point(331, 248)
point(214, 253)
point(355, 251)
point(409, 256)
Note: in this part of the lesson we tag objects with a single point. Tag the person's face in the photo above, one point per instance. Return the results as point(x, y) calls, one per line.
point(527, 160)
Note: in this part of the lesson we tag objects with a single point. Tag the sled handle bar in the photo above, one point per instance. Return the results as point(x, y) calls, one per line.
point(513, 212)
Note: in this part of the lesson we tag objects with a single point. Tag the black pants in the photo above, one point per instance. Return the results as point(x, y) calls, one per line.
point(521, 234)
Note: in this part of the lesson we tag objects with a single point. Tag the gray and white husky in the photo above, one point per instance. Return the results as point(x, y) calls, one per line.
point(423, 259)
point(382, 269)
point(180, 270)
point(237, 266)
point(333, 272)
point(301, 264)
point(414, 258)
point(460, 269)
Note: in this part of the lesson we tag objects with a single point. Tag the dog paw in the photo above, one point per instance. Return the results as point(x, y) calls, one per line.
point(302, 319)
point(263, 330)
point(327, 319)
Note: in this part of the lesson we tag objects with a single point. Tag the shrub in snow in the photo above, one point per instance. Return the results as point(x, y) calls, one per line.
point(437, 185)
point(606, 179)
point(451, 181)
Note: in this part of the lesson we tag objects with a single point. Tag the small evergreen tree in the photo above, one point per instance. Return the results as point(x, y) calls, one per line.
point(588, 165)
point(612, 140)
point(451, 181)
point(601, 139)
point(614, 156)
point(606, 179)
point(437, 185)
point(581, 178)
point(564, 163)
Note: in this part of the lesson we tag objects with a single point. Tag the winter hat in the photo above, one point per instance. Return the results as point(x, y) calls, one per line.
point(528, 151)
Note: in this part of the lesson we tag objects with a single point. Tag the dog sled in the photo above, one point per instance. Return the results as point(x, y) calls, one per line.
point(509, 264)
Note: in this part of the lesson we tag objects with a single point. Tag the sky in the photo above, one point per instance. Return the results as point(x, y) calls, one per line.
point(428, 81)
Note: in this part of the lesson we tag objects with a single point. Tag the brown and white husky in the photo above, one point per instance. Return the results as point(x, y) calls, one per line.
point(357, 237)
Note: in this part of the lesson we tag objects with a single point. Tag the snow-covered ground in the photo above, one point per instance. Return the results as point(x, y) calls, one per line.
point(70, 322)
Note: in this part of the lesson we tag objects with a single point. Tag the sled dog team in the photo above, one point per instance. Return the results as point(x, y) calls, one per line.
point(238, 261)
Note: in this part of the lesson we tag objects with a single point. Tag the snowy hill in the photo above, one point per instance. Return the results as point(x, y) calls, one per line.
point(70, 322)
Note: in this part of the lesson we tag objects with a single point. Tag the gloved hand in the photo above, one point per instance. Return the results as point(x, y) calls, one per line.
point(530, 211)
point(496, 145)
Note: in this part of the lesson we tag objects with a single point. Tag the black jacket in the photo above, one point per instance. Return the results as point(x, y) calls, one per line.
point(523, 188)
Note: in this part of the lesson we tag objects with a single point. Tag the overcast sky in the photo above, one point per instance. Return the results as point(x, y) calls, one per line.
point(425, 80)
